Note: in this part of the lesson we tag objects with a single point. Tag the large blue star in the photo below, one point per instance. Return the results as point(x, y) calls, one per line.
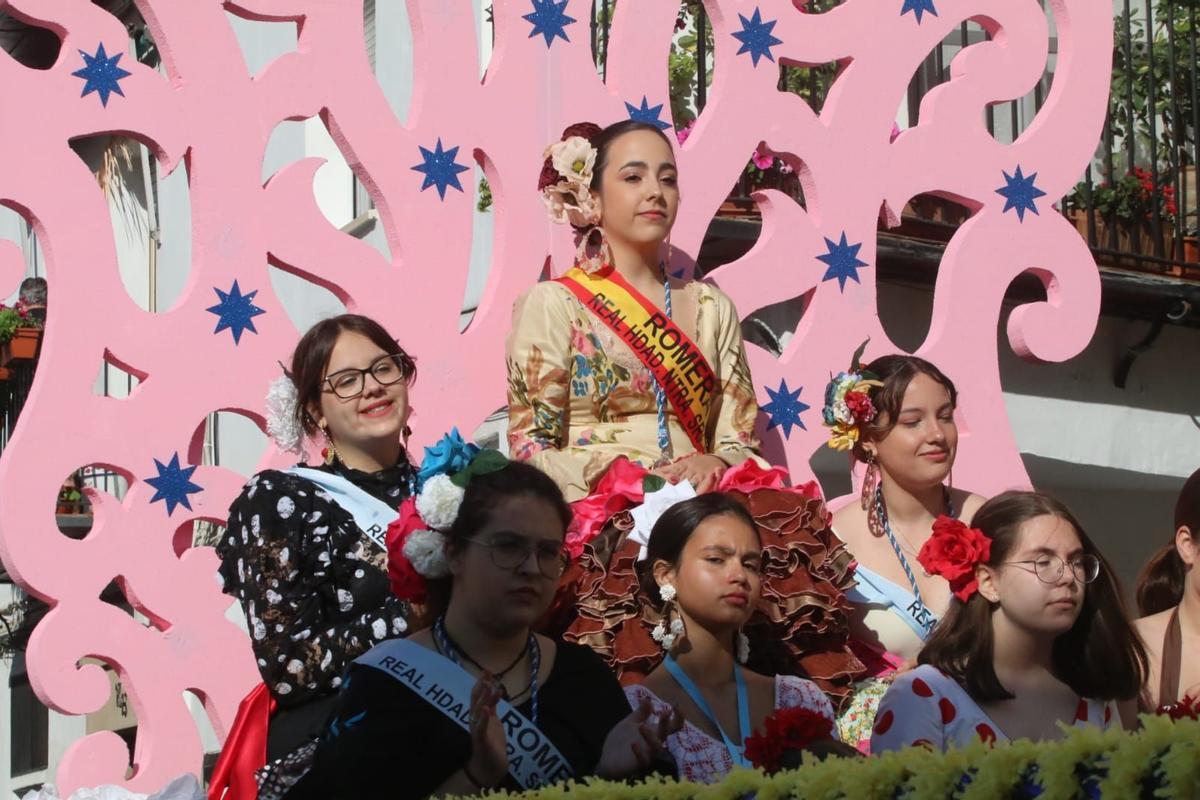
point(647, 113)
point(102, 75)
point(843, 261)
point(785, 408)
point(918, 7)
point(756, 37)
point(236, 311)
point(173, 484)
point(1019, 193)
point(440, 168)
point(549, 18)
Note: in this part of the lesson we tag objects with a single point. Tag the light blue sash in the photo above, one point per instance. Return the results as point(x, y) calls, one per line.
point(875, 589)
point(371, 515)
point(533, 760)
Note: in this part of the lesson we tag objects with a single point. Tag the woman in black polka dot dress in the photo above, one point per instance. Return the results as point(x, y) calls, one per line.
point(304, 550)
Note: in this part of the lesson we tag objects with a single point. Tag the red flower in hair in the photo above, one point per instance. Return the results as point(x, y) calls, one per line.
point(1187, 708)
point(406, 582)
point(860, 406)
point(788, 729)
point(953, 551)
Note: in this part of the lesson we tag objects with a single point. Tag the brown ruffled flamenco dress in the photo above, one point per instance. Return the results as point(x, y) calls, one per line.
point(801, 625)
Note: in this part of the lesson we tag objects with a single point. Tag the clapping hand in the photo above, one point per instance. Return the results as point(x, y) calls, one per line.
point(631, 746)
point(489, 752)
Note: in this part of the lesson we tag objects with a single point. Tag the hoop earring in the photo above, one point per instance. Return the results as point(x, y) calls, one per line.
point(594, 253)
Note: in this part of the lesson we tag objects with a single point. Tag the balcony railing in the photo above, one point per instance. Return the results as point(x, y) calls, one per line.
point(1137, 202)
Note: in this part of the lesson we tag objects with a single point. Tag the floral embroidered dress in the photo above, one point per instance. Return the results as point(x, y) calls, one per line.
point(578, 398)
point(582, 408)
point(700, 758)
point(927, 707)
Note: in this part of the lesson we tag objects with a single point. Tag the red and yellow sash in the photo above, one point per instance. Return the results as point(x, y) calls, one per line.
point(672, 358)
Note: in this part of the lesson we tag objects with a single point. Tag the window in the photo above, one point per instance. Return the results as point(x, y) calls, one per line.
point(30, 723)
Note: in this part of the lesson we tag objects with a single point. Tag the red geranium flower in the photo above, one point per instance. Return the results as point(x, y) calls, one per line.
point(786, 730)
point(953, 551)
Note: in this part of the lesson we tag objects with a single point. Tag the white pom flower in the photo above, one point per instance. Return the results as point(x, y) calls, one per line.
point(659, 632)
point(282, 425)
point(677, 626)
point(426, 551)
point(438, 502)
point(841, 412)
point(667, 592)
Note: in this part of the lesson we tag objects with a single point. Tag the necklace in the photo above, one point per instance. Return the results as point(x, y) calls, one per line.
point(660, 395)
point(736, 752)
point(532, 649)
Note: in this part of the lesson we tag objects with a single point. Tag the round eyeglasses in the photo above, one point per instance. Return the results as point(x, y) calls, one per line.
point(1050, 569)
point(386, 370)
point(510, 552)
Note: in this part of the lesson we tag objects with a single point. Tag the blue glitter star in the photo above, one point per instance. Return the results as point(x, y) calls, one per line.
point(102, 74)
point(1019, 193)
point(236, 311)
point(647, 113)
point(918, 7)
point(785, 408)
point(440, 168)
point(173, 484)
point(843, 261)
point(756, 37)
point(549, 18)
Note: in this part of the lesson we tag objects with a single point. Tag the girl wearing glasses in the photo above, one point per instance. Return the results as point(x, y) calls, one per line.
point(479, 701)
point(1168, 596)
point(703, 575)
point(1035, 635)
point(304, 550)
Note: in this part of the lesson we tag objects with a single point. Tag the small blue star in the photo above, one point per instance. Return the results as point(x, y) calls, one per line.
point(756, 37)
point(102, 74)
point(647, 113)
point(785, 408)
point(843, 261)
point(173, 484)
point(440, 168)
point(549, 18)
point(918, 7)
point(1019, 193)
point(236, 311)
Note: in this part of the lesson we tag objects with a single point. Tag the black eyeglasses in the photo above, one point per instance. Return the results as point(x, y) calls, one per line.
point(1050, 569)
point(386, 370)
point(510, 552)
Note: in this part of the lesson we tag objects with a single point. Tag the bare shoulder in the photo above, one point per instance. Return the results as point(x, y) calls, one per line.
point(423, 637)
point(1152, 628)
point(969, 502)
point(850, 524)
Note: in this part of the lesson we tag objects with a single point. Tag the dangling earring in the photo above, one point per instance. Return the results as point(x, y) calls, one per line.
point(330, 452)
point(743, 648)
point(870, 482)
point(664, 633)
point(594, 253)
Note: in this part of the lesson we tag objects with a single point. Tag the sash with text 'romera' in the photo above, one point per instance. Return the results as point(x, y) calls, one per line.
point(672, 358)
point(533, 759)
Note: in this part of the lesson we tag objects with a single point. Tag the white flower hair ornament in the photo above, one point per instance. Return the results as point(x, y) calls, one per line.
point(283, 424)
point(565, 184)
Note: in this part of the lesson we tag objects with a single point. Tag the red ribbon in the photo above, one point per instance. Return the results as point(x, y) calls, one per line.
point(245, 749)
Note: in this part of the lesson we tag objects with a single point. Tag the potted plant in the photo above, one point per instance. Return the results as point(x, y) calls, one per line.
point(1128, 204)
point(20, 334)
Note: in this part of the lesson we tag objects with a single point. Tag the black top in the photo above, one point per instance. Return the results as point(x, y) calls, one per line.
point(313, 586)
point(386, 741)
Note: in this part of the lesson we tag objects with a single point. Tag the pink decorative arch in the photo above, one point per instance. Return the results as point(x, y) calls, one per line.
point(209, 112)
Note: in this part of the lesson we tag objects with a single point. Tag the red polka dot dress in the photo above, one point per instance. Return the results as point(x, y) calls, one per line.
point(927, 708)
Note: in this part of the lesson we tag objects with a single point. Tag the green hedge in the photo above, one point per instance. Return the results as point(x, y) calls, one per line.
point(1162, 760)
